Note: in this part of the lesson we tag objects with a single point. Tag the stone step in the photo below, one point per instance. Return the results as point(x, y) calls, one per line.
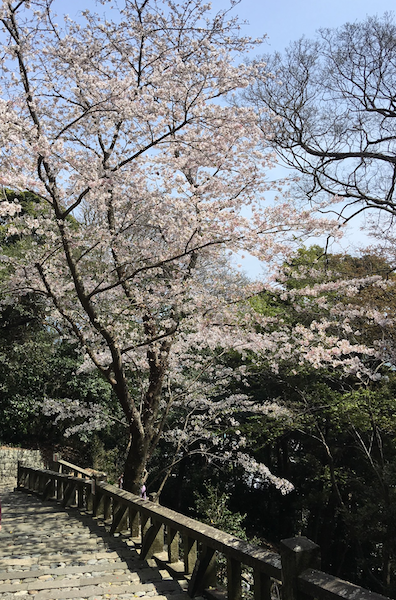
point(51, 553)
point(46, 546)
point(72, 581)
point(68, 554)
point(48, 551)
point(92, 593)
point(65, 570)
point(144, 572)
point(86, 586)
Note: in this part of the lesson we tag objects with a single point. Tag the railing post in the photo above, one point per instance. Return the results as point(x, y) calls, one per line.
point(120, 517)
point(19, 474)
point(80, 497)
point(98, 504)
point(55, 466)
point(297, 554)
point(59, 490)
point(48, 491)
point(205, 572)
point(144, 525)
point(234, 586)
point(134, 522)
point(107, 512)
point(173, 545)
point(69, 493)
point(262, 586)
point(98, 496)
point(152, 541)
point(190, 554)
point(90, 496)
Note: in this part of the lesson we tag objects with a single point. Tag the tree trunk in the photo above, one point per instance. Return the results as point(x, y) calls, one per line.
point(143, 427)
point(135, 463)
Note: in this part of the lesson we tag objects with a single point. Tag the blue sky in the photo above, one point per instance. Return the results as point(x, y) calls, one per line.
point(287, 20)
point(282, 20)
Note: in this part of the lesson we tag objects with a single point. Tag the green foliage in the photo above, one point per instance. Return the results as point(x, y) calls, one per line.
point(35, 362)
point(107, 456)
point(212, 507)
point(337, 444)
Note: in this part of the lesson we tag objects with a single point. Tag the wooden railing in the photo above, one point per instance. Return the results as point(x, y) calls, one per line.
point(160, 532)
point(62, 466)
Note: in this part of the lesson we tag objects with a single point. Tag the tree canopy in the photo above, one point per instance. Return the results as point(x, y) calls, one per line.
point(334, 99)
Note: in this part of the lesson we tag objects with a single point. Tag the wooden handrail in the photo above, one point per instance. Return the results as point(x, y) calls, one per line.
point(248, 554)
point(326, 587)
point(88, 473)
point(297, 567)
point(74, 468)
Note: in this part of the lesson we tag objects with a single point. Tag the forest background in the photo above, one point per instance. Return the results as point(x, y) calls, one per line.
point(292, 414)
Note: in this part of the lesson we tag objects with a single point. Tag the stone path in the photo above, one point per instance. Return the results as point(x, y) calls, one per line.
point(50, 553)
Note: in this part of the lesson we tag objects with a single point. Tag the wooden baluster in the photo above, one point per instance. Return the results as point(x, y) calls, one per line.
point(190, 554)
point(69, 495)
point(107, 511)
point(120, 513)
point(158, 543)
point(59, 491)
point(173, 545)
point(80, 497)
point(90, 496)
point(98, 504)
point(262, 586)
point(153, 540)
point(144, 525)
point(205, 572)
point(19, 475)
point(48, 490)
point(53, 488)
point(134, 522)
point(234, 586)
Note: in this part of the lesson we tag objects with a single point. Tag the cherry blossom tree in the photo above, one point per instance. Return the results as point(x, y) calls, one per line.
point(147, 179)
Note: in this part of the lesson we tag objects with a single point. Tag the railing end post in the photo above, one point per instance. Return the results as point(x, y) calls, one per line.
point(55, 465)
point(297, 554)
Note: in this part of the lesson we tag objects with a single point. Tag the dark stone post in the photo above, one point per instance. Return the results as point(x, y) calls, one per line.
point(297, 554)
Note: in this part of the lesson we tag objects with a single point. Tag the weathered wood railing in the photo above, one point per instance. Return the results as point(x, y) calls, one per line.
point(62, 466)
point(160, 530)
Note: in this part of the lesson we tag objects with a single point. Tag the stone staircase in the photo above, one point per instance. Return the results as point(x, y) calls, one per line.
point(51, 553)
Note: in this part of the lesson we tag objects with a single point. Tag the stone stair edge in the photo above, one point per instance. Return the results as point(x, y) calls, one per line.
point(63, 570)
point(70, 583)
